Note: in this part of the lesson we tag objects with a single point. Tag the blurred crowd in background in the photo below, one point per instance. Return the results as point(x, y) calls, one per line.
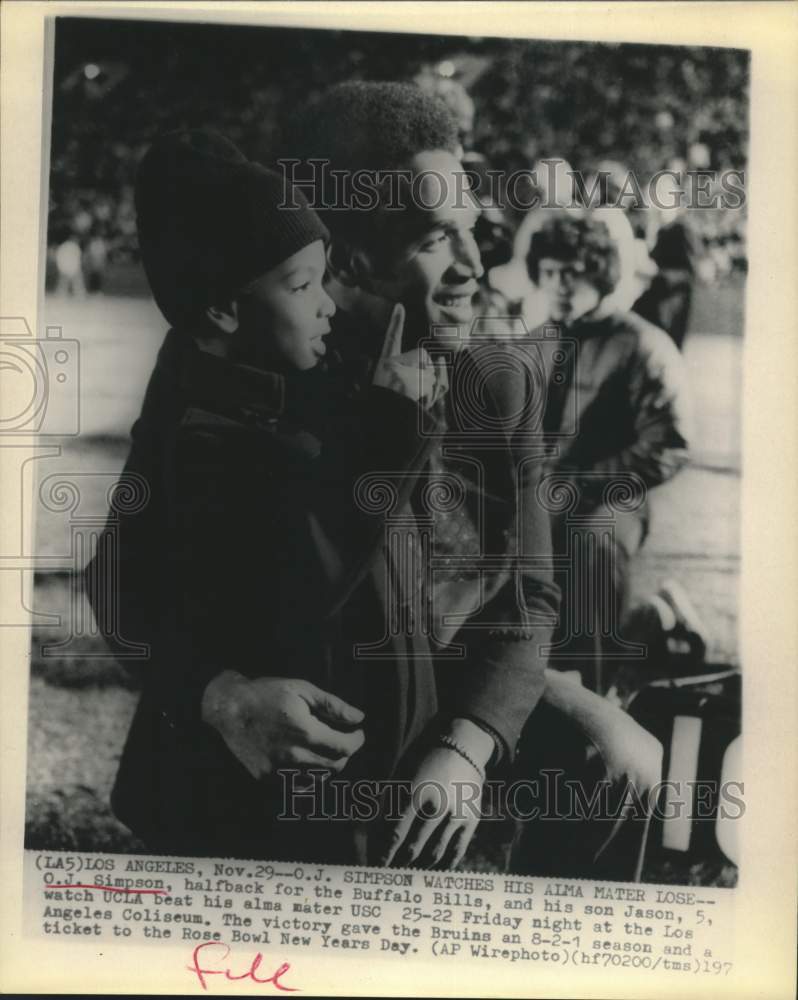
point(522, 106)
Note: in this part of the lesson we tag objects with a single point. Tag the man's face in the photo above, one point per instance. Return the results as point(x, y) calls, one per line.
point(284, 314)
point(430, 261)
point(569, 294)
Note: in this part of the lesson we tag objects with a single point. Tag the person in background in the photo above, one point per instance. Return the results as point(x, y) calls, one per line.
point(95, 260)
point(679, 255)
point(553, 191)
point(69, 268)
point(612, 194)
point(559, 194)
point(617, 410)
point(614, 419)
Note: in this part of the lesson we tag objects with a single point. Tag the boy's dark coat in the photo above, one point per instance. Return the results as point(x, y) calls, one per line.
point(222, 569)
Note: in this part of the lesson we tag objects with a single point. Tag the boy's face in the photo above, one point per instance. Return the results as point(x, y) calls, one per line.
point(569, 294)
point(284, 314)
point(430, 261)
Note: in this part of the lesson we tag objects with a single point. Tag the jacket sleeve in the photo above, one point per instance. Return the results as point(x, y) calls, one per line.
point(503, 679)
point(222, 513)
point(243, 581)
point(659, 403)
point(169, 575)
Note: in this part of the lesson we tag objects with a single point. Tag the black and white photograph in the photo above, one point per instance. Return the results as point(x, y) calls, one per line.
point(396, 551)
point(395, 514)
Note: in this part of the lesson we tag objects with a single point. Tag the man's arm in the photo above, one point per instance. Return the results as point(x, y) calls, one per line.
point(504, 679)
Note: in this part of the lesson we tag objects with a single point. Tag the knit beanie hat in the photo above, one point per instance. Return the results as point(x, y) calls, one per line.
point(210, 220)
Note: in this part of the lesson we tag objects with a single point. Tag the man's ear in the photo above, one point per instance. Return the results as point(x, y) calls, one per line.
point(351, 267)
point(224, 318)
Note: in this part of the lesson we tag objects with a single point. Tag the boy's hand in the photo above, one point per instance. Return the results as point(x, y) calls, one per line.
point(278, 722)
point(411, 374)
point(437, 825)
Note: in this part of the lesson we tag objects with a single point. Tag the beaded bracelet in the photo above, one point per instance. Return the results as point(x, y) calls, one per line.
point(451, 744)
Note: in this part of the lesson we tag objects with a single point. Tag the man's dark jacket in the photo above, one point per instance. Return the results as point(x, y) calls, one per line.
point(493, 604)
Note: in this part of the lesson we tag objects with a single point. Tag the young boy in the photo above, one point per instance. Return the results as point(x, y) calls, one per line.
point(248, 573)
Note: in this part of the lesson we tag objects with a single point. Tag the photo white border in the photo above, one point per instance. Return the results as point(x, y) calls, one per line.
point(765, 936)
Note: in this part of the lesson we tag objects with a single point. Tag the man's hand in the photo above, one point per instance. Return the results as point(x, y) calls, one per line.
point(411, 374)
point(437, 825)
point(277, 722)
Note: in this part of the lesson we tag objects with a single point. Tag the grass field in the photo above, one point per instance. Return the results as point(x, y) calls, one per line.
point(81, 704)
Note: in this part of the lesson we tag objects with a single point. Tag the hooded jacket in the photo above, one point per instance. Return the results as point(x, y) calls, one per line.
point(617, 405)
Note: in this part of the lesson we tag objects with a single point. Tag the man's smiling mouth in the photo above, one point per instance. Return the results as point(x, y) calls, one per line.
point(456, 296)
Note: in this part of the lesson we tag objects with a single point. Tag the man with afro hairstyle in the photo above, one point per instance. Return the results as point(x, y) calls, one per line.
point(379, 163)
point(402, 231)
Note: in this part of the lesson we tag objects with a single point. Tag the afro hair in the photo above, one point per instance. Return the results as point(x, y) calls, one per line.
point(369, 126)
point(373, 126)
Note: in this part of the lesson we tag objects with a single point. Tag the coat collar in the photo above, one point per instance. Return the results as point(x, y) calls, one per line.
point(238, 392)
